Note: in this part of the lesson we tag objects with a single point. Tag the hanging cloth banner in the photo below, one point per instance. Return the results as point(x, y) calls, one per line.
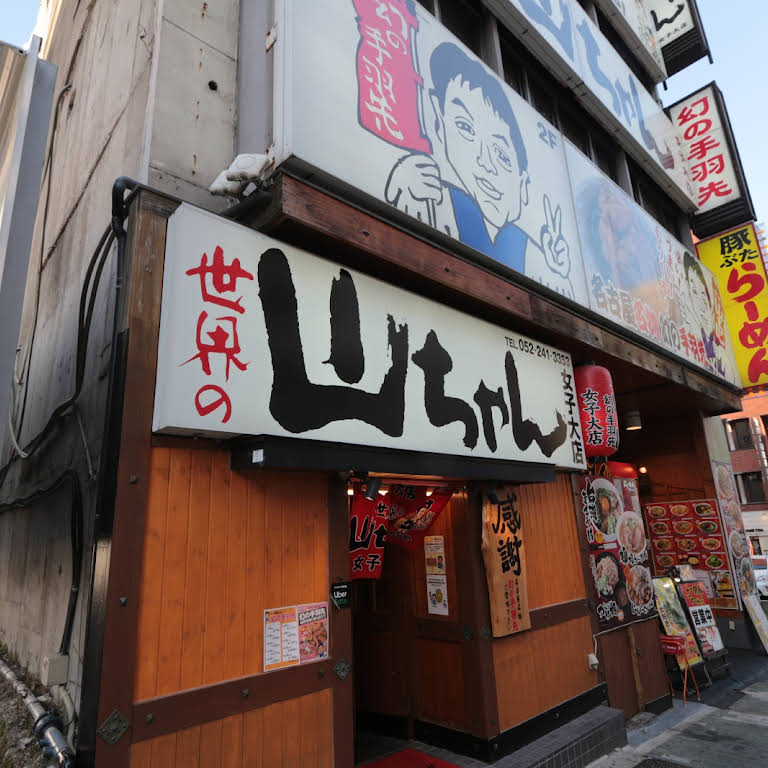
point(412, 513)
point(504, 556)
point(368, 521)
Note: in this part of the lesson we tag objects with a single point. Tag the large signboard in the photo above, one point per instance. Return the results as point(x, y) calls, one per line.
point(706, 149)
point(679, 33)
point(735, 259)
point(640, 277)
point(403, 113)
point(692, 533)
point(710, 151)
point(670, 20)
point(592, 62)
point(733, 524)
point(257, 337)
point(413, 119)
point(618, 551)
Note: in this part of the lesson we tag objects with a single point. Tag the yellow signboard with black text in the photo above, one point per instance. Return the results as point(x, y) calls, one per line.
point(734, 258)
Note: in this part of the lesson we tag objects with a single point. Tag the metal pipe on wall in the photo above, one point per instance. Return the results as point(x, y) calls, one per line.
point(47, 725)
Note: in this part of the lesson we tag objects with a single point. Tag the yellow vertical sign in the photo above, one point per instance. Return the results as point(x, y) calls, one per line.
point(734, 258)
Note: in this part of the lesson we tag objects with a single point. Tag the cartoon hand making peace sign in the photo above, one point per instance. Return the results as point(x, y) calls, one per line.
point(554, 245)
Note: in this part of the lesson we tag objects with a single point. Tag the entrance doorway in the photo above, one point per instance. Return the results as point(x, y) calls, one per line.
point(409, 658)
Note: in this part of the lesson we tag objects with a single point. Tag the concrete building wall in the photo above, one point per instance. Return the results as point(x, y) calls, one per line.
point(152, 97)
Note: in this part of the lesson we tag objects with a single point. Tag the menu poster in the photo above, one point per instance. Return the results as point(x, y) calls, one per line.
point(733, 525)
point(618, 552)
point(281, 638)
point(437, 583)
point(674, 620)
point(434, 555)
point(759, 620)
point(313, 631)
point(503, 547)
point(295, 634)
point(691, 533)
point(702, 620)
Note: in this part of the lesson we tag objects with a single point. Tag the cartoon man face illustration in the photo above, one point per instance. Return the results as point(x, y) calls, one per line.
point(476, 187)
point(485, 151)
point(698, 294)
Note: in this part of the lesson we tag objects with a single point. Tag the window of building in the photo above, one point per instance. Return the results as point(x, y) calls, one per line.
point(742, 437)
point(428, 4)
point(751, 488)
point(624, 51)
point(653, 200)
point(465, 21)
point(512, 63)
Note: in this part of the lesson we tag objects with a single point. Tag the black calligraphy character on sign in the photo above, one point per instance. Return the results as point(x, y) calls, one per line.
point(735, 241)
point(487, 400)
point(296, 403)
point(347, 356)
point(660, 21)
point(507, 517)
point(509, 549)
point(442, 409)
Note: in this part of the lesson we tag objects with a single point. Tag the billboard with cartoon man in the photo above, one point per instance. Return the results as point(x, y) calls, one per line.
point(439, 137)
point(400, 115)
point(477, 189)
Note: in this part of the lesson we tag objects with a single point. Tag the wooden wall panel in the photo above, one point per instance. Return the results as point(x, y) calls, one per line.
point(553, 560)
point(538, 670)
point(291, 734)
point(220, 547)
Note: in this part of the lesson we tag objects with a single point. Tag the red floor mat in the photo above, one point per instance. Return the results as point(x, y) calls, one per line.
point(410, 758)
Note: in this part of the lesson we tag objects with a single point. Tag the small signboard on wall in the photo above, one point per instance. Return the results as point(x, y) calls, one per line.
point(295, 634)
point(504, 557)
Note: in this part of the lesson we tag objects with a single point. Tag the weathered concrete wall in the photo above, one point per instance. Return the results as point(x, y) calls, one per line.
point(193, 123)
point(152, 97)
point(105, 51)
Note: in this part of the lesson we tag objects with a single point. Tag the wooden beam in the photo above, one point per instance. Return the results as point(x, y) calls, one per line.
point(145, 254)
point(185, 709)
point(559, 613)
point(315, 220)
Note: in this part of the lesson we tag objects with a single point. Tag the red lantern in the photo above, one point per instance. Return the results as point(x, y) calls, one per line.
point(597, 409)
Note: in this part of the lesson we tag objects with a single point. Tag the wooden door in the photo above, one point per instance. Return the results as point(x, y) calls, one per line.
point(650, 661)
point(616, 661)
point(382, 631)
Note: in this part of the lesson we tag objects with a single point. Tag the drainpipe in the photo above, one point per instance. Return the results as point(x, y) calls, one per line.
point(47, 725)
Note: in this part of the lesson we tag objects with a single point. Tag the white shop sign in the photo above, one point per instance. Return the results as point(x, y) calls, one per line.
point(260, 338)
point(670, 19)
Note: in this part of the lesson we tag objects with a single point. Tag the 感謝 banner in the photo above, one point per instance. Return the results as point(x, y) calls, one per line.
point(260, 338)
point(503, 547)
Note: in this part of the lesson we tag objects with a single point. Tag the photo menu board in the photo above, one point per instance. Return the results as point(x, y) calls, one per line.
point(691, 533)
point(618, 550)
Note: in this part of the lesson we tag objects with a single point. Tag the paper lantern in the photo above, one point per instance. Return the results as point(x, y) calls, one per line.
point(597, 409)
